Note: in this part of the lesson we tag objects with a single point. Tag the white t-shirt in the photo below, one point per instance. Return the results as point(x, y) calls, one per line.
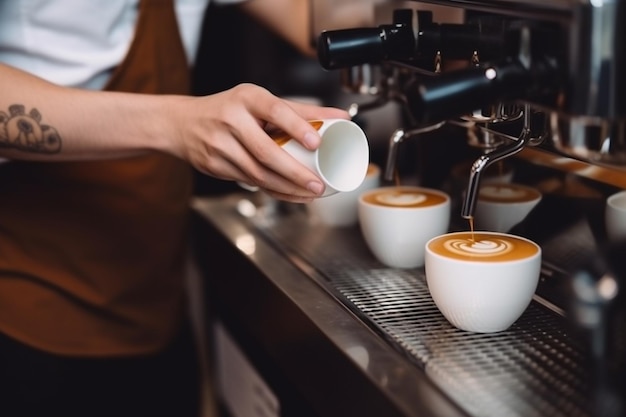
point(78, 42)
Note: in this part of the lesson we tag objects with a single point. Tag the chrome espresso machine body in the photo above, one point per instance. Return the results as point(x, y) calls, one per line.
point(544, 81)
point(561, 59)
point(532, 87)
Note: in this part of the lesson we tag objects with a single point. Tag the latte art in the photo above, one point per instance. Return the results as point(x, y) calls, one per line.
point(400, 199)
point(405, 197)
point(483, 281)
point(484, 248)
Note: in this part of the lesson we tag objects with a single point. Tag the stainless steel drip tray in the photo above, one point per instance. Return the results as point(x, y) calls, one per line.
point(535, 368)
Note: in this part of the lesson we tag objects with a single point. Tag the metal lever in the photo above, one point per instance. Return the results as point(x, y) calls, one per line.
point(485, 160)
point(394, 141)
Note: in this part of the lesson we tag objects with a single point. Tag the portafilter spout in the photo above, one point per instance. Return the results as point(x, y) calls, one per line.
point(485, 160)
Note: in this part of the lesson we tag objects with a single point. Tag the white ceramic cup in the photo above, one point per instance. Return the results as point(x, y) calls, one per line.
point(482, 285)
point(396, 222)
point(500, 206)
point(340, 210)
point(615, 216)
point(342, 158)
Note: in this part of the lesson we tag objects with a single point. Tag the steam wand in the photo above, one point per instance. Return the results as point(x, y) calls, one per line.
point(485, 160)
point(398, 137)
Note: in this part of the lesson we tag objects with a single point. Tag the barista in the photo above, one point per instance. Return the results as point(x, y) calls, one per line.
point(98, 137)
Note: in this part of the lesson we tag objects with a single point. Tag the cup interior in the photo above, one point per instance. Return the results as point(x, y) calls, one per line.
point(343, 155)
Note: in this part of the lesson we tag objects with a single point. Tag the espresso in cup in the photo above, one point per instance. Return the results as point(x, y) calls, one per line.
point(482, 281)
point(405, 197)
point(397, 221)
point(482, 247)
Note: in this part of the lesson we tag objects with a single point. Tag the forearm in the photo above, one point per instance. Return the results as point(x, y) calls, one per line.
point(222, 134)
point(42, 121)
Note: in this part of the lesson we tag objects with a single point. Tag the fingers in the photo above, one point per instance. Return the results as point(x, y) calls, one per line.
point(230, 141)
point(310, 112)
point(233, 161)
point(270, 166)
point(291, 116)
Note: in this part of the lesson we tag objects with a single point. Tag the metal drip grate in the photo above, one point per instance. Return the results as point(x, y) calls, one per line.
point(535, 368)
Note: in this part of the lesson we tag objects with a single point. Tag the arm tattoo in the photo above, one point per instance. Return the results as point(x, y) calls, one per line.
point(25, 132)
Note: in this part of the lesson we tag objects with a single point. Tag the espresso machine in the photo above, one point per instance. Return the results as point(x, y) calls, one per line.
point(525, 77)
point(308, 323)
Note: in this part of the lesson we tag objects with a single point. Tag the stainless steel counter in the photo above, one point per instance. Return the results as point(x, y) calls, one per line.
point(352, 337)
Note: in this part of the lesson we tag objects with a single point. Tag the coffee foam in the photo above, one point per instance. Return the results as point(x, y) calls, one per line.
point(401, 199)
point(507, 193)
point(404, 197)
point(483, 247)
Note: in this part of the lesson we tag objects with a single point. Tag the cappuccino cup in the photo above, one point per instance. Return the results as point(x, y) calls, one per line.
point(340, 210)
point(397, 221)
point(615, 216)
point(483, 281)
point(500, 206)
point(342, 158)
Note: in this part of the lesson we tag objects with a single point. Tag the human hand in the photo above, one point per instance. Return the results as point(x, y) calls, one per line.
point(225, 135)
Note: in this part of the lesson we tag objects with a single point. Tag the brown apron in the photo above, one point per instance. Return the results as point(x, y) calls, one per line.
point(91, 253)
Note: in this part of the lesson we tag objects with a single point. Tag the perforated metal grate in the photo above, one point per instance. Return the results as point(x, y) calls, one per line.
point(535, 368)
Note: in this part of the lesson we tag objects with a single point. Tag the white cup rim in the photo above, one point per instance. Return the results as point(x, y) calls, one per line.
point(478, 261)
point(613, 199)
point(361, 138)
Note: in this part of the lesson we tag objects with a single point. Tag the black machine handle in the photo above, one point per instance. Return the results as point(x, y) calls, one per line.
point(456, 93)
point(351, 47)
point(399, 41)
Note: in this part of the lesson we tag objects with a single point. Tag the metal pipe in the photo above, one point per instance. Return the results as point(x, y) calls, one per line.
point(398, 136)
point(485, 160)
